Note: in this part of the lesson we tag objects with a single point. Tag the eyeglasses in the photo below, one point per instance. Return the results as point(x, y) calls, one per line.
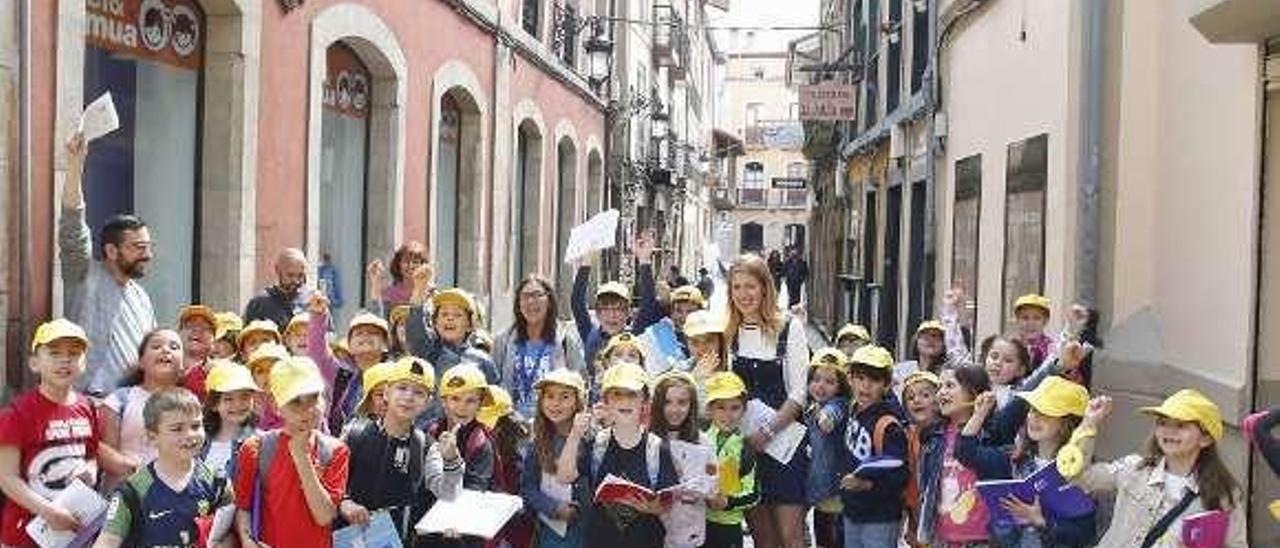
point(532, 295)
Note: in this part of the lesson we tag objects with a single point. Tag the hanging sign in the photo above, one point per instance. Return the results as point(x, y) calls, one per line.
point(828, 101)
point(163, 31)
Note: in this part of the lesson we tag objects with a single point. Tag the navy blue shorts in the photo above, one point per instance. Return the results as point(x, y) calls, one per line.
point(783, 483)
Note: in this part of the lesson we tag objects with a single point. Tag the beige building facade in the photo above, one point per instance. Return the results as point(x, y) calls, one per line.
point(1113, 154)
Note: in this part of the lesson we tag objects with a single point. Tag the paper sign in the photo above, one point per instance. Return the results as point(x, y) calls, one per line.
point(99, 118)
point(471, 513)
point(83, 503)
point(598, 233)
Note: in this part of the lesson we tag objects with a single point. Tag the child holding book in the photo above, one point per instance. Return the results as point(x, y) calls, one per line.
point(920, 397)
point(164, 502)
point(549, 480)
point(826, 418)
point(627, 450)
point(289, 482)
point(735, 470)
point(464, 390)
point(229, 417)
point(51, 420)
point(1056, 408)
point(674, 416)
point(1177, 476)
point(872, 499)
point(394, 466)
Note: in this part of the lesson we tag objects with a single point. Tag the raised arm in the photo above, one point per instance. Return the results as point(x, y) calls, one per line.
point(317, 344)
point(650, 308)
point(578, 300)
point(74, 242)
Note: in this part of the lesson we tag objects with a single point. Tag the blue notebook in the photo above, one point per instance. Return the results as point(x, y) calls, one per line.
point(380, 532)
point(1058, 497)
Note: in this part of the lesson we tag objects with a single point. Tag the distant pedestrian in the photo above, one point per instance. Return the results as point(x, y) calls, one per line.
point(705, 283)
point(330, 281)
point(775, 268)
point(796, 272)
point(279, 302)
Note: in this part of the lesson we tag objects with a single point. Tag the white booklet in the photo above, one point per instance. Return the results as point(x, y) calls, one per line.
point(99, 118)
point(784, 444)
point(561, 493)
point(84, 503)
point(471, 513)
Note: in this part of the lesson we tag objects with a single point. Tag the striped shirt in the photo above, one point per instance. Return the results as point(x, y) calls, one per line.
point(116, 317)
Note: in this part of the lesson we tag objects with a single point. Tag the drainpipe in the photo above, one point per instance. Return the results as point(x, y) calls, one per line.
point(930, 159)
point(1090, 160)
point(24, 186)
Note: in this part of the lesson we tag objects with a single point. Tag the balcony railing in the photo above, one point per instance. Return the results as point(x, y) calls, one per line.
point(773, 198)
point(670, 42)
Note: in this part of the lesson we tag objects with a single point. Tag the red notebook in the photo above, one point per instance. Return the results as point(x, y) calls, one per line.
point(614, 489)
point(1205, 530)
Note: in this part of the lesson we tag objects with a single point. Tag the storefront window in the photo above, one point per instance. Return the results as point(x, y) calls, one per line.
point(1024, 219)
point(149, 54)
point(966, 220)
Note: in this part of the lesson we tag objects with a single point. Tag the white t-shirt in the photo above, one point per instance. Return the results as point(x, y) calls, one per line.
point(218, 456)
point(133, 431)
point(753, 343)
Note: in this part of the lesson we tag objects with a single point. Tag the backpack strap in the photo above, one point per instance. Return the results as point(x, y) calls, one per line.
point(882, 426)
point(133, 501)
point(780, 348)
point(266, 451)
point(122, 395)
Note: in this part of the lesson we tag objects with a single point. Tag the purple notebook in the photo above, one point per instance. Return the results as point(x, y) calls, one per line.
point(1205, 530)
point(1058, 498)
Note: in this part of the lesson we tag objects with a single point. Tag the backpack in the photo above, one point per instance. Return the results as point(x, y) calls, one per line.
point(268, 443)
point(652, 455)
point(133, 501)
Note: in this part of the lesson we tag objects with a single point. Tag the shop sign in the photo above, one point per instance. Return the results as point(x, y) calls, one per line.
point(346, 84)
point(832, 102)
point(164, 31)
point(790, 182)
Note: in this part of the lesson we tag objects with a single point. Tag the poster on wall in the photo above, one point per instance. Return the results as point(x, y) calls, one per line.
point(165, 31)
point(346, 83)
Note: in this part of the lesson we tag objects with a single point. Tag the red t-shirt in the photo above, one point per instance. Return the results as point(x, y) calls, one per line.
point(195, 380)
point(55, 441)
point(286, 520)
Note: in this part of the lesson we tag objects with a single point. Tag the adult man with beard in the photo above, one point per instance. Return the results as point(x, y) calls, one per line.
point(103, 296)
point(280, 302)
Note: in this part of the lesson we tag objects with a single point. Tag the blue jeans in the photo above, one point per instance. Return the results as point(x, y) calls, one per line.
point(872, 535)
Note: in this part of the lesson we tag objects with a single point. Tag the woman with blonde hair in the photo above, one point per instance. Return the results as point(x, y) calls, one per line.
point(768, 349)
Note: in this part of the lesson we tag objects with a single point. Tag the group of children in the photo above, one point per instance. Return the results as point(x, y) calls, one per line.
point(297, 436)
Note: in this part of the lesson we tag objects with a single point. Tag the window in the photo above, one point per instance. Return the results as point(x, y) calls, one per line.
point(758, 73)
point(893, 86)
point(798, 170)
point(965, 227)
point(871, 99)
point(753, 175)
point(1024, 217)
point(753, 191)
point(531, 16)
point(919, 45)
point(565, 35)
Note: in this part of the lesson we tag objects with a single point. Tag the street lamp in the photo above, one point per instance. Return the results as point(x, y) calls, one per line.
point(599, 54)
point(661, 121)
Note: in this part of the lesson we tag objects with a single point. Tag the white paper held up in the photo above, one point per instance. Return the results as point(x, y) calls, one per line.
point(471, 513)
point(784, 444)
point(561, 493)
point(99, 118)
point(83, 503)
point(600, 232)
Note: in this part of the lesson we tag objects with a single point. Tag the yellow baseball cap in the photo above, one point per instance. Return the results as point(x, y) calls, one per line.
point(454, 296)
point(1057, 397)
point(566, 377)
point(625, 376)
point(463, 377)
point(399, 313)
point(60, 328)
point(1032, 300)
point(369, 319)
point(410, 368)
point(227, 323)
point(931, 325)
point(270, 352)
point(853, 330)
point(300, 319)
point(500, 405)
point(192, 311)
point(370, 380)
point(294, 377)
point(255, 327)
point(725, 385)
point(921, 376)
point(703, 322)
point(624, 339)
point(872, 356)
point(1188, 405)
point(830, 358)
point(688, 294)
point(228, 376)
point(618, 289)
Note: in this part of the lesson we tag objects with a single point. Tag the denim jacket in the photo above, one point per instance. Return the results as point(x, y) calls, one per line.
point(827, 451)
point(1057, 532)
point(974, 452)
point(543, 504)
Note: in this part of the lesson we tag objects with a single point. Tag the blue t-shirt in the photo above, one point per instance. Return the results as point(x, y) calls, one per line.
point(167, 517)
point(533, 361)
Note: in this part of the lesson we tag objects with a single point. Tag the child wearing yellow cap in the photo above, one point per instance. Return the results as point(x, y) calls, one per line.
point(1179, 473)
point(395, 466)
point(613, 303)
point(826, 417)
point(295, 334)
point(229, 415)
point(464, 390)
point(851, 337)
point(197, 324)
point(510, 434)
point(674, 416)
point(367, 340)
point(227, 330)
point(666, 339)
point(704, 334)
point(255, 334)
point(623, 348)
point(260, 365)
point(51, 419)
point(629, 451)
point(872, 501)
point(549, 480)
point(735, 461)
point(920, 400)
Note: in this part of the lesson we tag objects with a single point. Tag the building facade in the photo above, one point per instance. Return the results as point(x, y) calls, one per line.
point(343, 127)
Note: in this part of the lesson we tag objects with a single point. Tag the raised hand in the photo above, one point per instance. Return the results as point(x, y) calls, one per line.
point(581, 423)
point(1098, 410)
point(318, 304)
point(984, 404)
point(644, 247)
point(1073, 355)
point(449, 445)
